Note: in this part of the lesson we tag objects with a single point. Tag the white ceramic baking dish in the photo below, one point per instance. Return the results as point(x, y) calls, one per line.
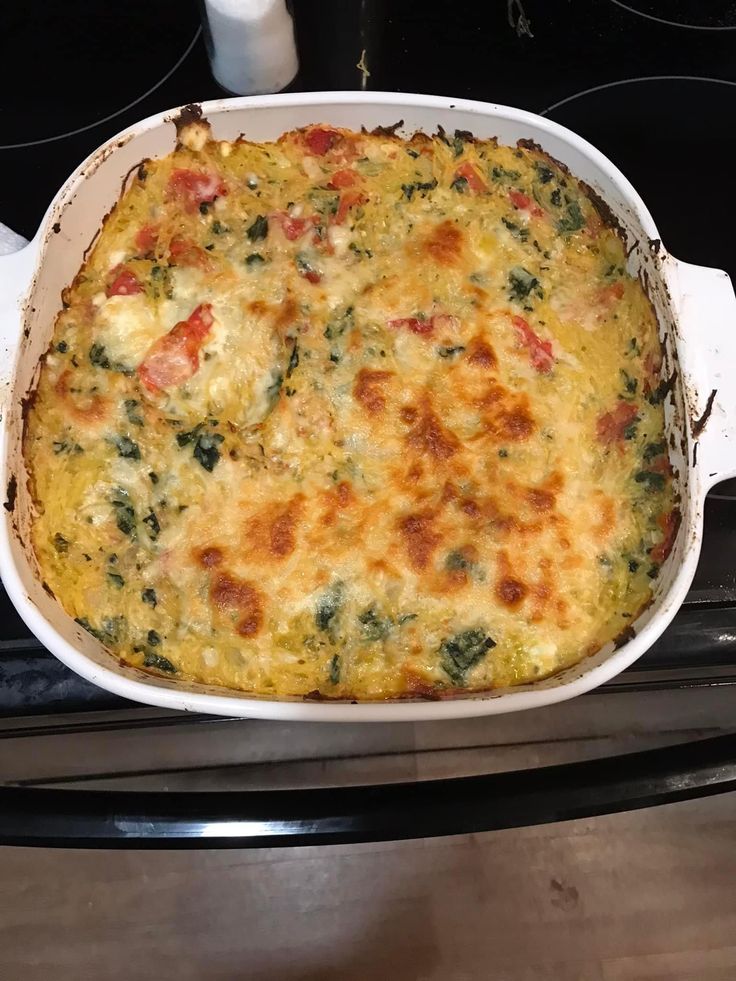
point(696, 308)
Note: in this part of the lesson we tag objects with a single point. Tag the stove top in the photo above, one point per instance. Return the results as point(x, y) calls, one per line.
point(652, 83)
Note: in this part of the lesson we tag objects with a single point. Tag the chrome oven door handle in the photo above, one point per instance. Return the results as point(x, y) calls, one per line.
point(257, 819)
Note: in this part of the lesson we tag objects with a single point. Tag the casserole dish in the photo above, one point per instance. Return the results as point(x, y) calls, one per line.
point(695, 309)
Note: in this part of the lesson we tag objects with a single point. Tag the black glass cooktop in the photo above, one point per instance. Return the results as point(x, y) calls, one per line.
point(652, 83)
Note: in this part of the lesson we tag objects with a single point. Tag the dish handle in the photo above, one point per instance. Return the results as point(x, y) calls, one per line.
point(708, 343)
point(17, 262)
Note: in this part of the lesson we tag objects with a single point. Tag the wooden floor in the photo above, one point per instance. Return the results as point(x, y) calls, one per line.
point(644, 895)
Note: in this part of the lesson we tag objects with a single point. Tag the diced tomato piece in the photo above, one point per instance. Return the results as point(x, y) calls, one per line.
point(184, 252)
point(147, 238)
point(413, 324)
point(320, 141)
point(471, 175)
point(524, 203)
point(669, 523)
point(608, 295)
point(312, 276)
point(611, 427)
point(343, 178)
point(348, 200)
point(192, 188)
point(200, 321)
point(294, 228)
point(124, 283)
point(540, 352)
point(174, 358)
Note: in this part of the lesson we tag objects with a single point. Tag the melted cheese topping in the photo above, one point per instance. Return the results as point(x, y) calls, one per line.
point(352, 415)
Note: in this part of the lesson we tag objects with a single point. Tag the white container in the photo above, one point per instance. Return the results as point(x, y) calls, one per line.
point(250, 44)
point(696, 308)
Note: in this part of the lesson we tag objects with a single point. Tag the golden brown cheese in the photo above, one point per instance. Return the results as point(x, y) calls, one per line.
point(353, 415)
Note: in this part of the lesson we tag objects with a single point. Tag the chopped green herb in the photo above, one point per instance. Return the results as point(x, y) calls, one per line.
point(110, 632)
point(98, 357)
point(335, 669)
point(633, 565)
point(522, 283)
point(149, 596)
point(654, 481)
point(653, 570)
point(151, 660)
point(421, 186)
point(116, 580)
point(634, 346)
point(544, 173)
point(127, 448)
point(61, 544)
point(503, 175)
point(258, 230)
point(293, 359)
point(556, 197)
point(132, 412)
point(573, 220)
point(374, 627)
point(462, 652)
point(336, 328)
point(183, 439)
point(84, 622)
point(204, 207)
point(153, 638)
point(630, 384)
point(206, 450)
point(652, 450)
point(151, 522)
point(325, 201)
point(459, 184)
point(63, 446)
point(124, 512)
point(450, 352)
point(631, 430)
point(62, 347)
point(518, 231)
point(456, 561)
point(254, 259)
point(328, 607)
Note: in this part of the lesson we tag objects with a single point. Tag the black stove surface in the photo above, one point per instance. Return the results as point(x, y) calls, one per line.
point(652, 83)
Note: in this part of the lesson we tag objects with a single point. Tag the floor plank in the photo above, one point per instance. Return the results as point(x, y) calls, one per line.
point(629, 897)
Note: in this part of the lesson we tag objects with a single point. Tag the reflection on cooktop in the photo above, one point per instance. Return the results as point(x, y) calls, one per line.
point(83, 69)
point(668, 137)
point(715, 15)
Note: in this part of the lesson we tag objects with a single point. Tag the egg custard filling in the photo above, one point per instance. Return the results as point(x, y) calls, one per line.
point(348, 415)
